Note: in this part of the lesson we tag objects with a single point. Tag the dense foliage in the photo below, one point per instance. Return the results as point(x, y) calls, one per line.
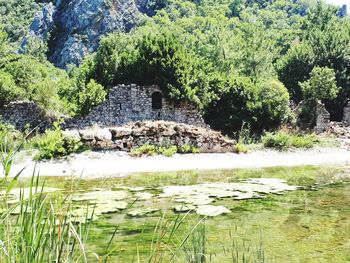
point(239, 61)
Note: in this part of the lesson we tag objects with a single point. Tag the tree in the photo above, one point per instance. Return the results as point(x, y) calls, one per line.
point(39, 81)
point(321, 85)
point(295, 67)
point(262, 106)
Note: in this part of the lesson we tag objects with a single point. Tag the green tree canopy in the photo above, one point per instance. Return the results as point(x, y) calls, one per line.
point(321, 85)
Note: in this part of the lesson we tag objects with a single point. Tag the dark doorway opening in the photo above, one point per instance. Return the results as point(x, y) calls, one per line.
point(157, 99)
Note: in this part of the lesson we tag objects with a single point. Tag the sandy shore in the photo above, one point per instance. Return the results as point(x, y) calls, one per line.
point(100, 164)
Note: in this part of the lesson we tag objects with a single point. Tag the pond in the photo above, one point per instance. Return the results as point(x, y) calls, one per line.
point(274, 222)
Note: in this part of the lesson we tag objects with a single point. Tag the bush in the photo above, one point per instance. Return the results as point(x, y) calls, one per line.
point(36, 81)
point(149, 150)
point(240, 101)
point(241, 148)
point(93, 95)
point(284, 140)
point(10, 138)
point(54, 145)
point(8, 89)
point(168, 151)
point(187, 148)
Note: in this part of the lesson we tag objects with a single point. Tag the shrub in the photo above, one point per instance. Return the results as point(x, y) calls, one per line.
point(149, 150)
point(241, 101)
point(187, 148)
point(91, 96)
point(8, 89)
point(54, 145)
point(38, 81)
point(283, 140)
point(241, 148)
point(168, 151)
point(9, 137)
point(152, 150)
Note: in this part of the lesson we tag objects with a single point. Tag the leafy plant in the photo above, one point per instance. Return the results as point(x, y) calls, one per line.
point(152, 150)
point(52, 144)
point(187, 148)
point(285, 140)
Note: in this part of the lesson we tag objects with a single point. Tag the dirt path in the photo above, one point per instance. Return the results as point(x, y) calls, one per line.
point(100, 164)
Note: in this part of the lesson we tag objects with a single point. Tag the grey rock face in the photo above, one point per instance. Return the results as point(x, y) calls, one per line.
point(42, 24)
point(73, 28)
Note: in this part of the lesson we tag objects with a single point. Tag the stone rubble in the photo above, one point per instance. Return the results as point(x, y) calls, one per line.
point(160, 133)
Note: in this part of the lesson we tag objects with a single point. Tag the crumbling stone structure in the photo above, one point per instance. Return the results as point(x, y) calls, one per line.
point(130, 103)
point(23, 114)
point(346, 116)
point(161, 133)
point(322, 118)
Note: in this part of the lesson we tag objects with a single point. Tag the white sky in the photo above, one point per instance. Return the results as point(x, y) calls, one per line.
point(339, 2)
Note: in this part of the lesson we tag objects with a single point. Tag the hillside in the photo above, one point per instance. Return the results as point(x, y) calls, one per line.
point(239, 61)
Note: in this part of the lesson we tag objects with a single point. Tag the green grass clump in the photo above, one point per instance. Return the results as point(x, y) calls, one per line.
point(187, 148)
point(52, 144)
point(168, 151)
point(152, 150)
point(282, 140)
point(241, 148)
point(147, 149)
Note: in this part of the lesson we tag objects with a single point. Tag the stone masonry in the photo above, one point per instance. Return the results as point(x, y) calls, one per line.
point(160, 133)
point(26, 114)
point(346, 116)
point(322, 118)
point(130, 103)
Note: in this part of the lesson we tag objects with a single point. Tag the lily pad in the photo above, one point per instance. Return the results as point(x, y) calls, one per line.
point(195, 200)
point(100, 195)
point(143, 196)
point(184, 208)
point(142, 212)
point(211, 210)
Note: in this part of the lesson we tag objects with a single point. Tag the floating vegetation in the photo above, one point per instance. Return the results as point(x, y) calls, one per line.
point(15, 194)
point(142, 212)
point(100, 196)
point(198, 197)
point(143, 196)
point(184, 208)
point(211, 210)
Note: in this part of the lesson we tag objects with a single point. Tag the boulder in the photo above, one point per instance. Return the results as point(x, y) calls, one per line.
point(87, 135)
point(103, 135)
point(71, 134)
point(119, 132)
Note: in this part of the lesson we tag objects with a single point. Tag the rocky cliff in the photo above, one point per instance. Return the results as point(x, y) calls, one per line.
point(73, 28)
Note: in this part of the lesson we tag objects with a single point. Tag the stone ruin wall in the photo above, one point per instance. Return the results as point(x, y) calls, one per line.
point(323, 122)
point(160, 133)
point(130, 103)
point(323, 118)
point(26, 114)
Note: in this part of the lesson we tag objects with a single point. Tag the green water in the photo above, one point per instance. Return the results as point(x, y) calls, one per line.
point(307, 225)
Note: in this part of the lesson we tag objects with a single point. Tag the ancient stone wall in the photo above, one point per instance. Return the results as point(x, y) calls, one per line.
point(346, 117)
point(322, 118)
point(23, 114)
point(129, 103)
point(160, 133)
